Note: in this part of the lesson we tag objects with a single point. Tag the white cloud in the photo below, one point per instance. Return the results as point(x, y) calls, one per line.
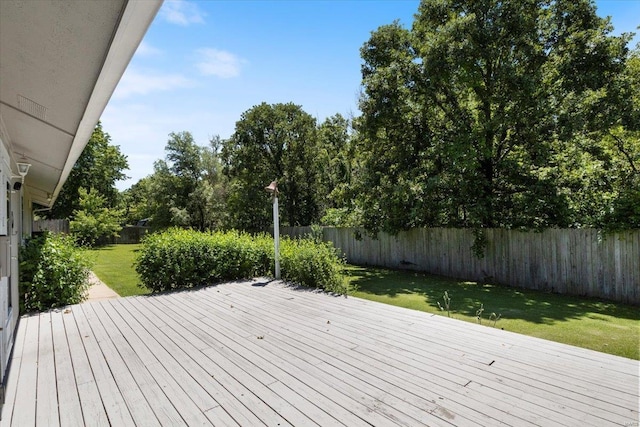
point(141, 129)
point(182, 12)
point(135, 82)
point(214, 62)
point(145, 49)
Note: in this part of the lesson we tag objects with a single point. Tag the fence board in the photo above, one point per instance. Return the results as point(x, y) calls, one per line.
point(577, 262)
point(52, 225)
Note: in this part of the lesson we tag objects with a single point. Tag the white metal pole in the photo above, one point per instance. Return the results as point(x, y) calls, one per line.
point(276, 234)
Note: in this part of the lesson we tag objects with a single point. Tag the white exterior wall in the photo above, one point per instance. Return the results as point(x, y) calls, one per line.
point(12, 218)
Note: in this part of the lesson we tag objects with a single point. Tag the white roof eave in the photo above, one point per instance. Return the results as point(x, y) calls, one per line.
point(135, 21)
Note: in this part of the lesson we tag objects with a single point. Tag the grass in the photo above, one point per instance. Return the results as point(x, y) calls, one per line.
point(603, 326)
point(114, 266)
point(584, 322)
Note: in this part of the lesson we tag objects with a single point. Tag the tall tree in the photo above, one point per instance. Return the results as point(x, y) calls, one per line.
point(100, 165)
point(272, 142)
point(182, 170)
point(624, 140)
point(93, 223)
point(463, 114)
point(398, 148)
point(600, 170)
point(335, 160)
point(187, 188)
point(137, 202)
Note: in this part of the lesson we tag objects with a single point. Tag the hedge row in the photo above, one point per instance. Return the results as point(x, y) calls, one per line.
point(178, 258)
point(54, 272)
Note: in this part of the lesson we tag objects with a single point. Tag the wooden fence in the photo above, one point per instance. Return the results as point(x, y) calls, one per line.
point(570, 261)
point(128, 234)
point(52, 225)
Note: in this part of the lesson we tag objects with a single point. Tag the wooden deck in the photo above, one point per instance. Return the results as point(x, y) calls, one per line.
point(253, 354)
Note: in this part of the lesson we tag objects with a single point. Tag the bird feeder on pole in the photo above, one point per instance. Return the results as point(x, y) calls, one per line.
point(273, 189)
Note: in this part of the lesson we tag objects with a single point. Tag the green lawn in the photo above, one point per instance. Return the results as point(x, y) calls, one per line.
point(585, 322)
point(114, 266)
point(599, 325)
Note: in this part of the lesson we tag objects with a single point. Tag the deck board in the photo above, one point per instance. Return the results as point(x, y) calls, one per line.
point(46, 387)
point(260, 353)
point(245, 361)
point(552, 370)
point(195, 370)
point(24, 412)
point(347, 409)
point(99, 370)
point(137, 363)
point(305, 348)
point(12, 380)
point(388, 376)
point(91, 403)
point(413, 380)
point(69, 401)
point(513, 383)
point(122, 370)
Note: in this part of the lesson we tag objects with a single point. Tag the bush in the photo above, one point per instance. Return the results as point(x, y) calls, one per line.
point(179, 258)
point(312, 263)
point(94, 223)
point(54, 272)
point(185, 258)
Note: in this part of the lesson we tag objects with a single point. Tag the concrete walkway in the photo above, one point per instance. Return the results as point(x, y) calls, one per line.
point(98, 290)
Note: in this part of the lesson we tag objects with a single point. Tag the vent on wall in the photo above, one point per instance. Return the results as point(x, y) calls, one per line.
point(32, 107)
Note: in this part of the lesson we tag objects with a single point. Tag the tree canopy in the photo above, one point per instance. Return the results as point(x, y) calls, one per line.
point(272, 142)
point(485, 113)
point(468, 115)
point(98, 168)
point(187, 188)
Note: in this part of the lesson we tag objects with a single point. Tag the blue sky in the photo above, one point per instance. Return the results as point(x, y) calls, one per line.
point(203, 63)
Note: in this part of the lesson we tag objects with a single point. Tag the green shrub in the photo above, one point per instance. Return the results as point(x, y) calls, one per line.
point(312, 263)
point(94, 223)
point(178, 258)
point(54, 272)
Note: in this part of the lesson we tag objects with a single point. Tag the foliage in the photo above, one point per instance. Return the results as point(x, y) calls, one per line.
point(137, 201)
point(312, 263)
point(468, 115)
point(92, 223)
point(313, 166)
point(272, 142)
point(493, 317)
point(600, 171)
point(623, 142)
point(479, 313)
point(495, 113)
point(447, 303)
point(342, 217)
point(480, 242)
point(186, 189)
point(53, 273)
point(99, 167)
point(337, 164)
point(178, 258)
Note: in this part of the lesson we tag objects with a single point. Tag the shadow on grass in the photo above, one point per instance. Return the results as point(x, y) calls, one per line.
point(113, 247)
point(104, 248)
point(466, 297)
